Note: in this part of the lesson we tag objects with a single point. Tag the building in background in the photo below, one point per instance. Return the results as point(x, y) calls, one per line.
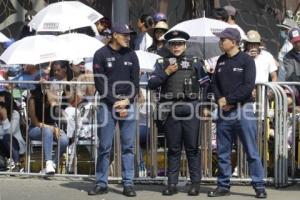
point(256, 14)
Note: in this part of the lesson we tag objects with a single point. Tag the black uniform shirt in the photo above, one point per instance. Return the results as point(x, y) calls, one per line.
point(234, 78)
point(121, 65)
point(159, 76)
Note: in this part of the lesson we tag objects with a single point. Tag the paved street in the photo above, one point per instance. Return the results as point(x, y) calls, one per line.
point(20, 188)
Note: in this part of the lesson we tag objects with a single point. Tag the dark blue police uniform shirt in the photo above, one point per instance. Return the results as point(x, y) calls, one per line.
point(121, 65)
point(234, 78)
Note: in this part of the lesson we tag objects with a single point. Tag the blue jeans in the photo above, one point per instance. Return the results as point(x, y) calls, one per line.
point(107, 122)
point(35, 133)
point(240, 122)
point(5, 144)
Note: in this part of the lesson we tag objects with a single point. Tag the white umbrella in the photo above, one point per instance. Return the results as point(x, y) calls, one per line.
point(146, 60)
point(3, 38)
point(201, 28)
point(64, 16)
point(80, 45)
point(203, 42)
point(35, 50)
point(90, 13)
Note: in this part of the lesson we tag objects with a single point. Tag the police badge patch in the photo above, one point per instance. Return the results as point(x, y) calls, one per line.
point(185, 64)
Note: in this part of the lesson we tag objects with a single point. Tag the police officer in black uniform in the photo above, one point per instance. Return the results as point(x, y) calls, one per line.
point(180, 78)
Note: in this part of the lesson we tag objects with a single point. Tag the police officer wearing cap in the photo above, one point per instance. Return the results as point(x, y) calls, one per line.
point(179, 79)
point(232, 83)
point(116, 74)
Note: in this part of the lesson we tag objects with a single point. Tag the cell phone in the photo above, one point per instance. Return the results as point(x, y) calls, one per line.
point(172, 61)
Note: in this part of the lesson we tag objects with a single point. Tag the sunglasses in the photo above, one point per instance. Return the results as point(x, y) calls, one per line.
point(160, 31)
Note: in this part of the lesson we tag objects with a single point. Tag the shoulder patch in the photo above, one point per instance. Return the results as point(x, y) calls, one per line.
point(195, 59)
point(204, 69)
point(160, 60)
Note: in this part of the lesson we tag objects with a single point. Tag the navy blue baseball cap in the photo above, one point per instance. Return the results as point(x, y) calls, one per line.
point(230, 33)
point(121, 28)
point(159, 17)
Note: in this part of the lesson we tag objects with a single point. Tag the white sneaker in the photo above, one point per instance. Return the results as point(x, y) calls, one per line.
point(142, 171)
point(50, 167)
point(10, 164)
point(235, 172)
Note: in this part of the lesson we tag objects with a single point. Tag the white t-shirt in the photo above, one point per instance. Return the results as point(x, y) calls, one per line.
point(265, 64)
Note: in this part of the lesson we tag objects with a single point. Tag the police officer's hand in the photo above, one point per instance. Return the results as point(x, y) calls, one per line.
point(123, 113)
point(206, 113)
point(171, 69)
point(222, 102)
point(121, 104)
point(227, 107)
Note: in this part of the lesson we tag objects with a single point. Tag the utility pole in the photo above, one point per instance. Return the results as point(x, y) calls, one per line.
point(120, 11)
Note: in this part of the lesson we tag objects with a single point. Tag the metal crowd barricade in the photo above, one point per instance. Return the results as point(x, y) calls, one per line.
point(284, 159)
point(289, 173)
point(280, 151)
point(155, 151)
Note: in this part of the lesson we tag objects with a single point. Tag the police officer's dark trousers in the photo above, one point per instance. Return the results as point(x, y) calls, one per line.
point(183, 132)
point(241, 122)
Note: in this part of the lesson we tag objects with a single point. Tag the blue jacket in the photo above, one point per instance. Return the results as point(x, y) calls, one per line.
point(121, 65)
point(234, 78)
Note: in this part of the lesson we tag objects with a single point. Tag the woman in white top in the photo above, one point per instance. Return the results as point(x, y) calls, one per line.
point(10, 128)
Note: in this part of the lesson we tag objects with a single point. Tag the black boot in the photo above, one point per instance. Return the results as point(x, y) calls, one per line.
point(98, 190)
point(260, 193)
point(170, 190)
point(194, 189)
point(129, 191)
point(218, 192)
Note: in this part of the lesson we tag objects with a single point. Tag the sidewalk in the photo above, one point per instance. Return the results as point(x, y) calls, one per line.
point(17, 188)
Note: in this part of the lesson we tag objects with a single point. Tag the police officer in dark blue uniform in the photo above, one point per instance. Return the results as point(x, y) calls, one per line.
point(233, 83)
point(116, 74)
point(180, 78)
